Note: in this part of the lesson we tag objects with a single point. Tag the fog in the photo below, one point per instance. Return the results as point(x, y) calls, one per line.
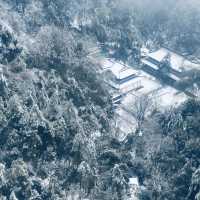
point(148, 5)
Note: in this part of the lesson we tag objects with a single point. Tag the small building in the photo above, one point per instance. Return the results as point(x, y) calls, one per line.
point(134, 181)
point(122, 73)
point(123, 78)
point(134, 188)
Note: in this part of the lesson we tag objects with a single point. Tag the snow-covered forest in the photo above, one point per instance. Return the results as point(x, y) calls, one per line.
point(99, 100)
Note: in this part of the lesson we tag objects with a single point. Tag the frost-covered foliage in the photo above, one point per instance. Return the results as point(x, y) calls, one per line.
point(9, 48)
point(56, 135)
point(167, 156)
point(55, 113)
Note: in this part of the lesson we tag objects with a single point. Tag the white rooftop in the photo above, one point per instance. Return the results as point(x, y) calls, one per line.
point(148, 85)
point(159, 54)
point(119, 70)
point(134, 181)
point(144, 61)
point(178, 62)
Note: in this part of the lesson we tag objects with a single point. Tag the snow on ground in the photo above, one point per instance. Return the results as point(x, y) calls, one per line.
point(148, 85)
point(125, 121)
point(169, 96)
point(145, 85)
point(163, 97)
point(129, 85)
point(141, 84)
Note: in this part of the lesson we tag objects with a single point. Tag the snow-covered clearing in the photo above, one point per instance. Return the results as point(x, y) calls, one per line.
point(132, 83)
point(169, 96)
point(125, 122)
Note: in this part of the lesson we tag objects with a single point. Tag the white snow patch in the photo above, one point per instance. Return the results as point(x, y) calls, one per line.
point(125, 122)
point(169, 96)
point(134, 188)
point(134, 181)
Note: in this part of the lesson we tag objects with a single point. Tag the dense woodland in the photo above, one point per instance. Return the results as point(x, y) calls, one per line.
point(57, 133)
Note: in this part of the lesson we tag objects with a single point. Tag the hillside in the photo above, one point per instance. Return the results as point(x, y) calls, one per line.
point(59, 134)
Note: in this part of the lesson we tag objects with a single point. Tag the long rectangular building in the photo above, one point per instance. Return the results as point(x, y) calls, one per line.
point(177, 62)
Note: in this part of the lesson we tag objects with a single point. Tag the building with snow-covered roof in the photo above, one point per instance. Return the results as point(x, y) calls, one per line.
point(123, 76)
point(122, 72)
point(134, 188)
point(177, 62)
point(134, 181)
